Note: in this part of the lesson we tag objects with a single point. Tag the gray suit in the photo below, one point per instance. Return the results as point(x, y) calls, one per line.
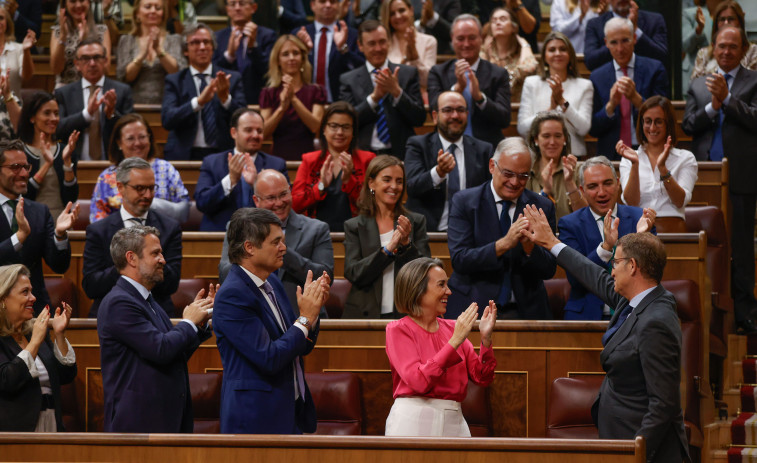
point(309, 247)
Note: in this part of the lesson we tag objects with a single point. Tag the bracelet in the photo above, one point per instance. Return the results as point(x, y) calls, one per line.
point(161, 54)
point(666, 177)
point(137, 61)
point(68, 168)
point(387, 251)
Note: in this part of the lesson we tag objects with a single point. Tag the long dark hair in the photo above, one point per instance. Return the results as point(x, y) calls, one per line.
point(114, 152)
point(338, 107)
point(366, 203)
point(31, 107)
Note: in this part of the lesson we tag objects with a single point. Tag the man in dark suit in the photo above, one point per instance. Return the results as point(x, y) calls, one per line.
point(27, 15)
point(333, 46)
point(490, 258)
point(721, 115)
point(436, 170)
point(27, 231)
point(226, 179)
point(106, 101)
point(199, 100)
point(648, 29)
point(245, 47)
point(386, 96)
point(641, 394)
point(143, 356)
point(261, 343)
point(485, 86)
point(620, 87)
point(136, 183)
point(435, 17)
point(291, 15)
point(584, 231)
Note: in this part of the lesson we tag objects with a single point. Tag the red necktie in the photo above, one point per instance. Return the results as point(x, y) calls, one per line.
point(320, 76)
point(625, 115)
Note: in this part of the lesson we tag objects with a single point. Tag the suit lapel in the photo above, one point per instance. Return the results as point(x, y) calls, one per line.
point(152, 314)
point(189, 84)
point(368, 227)
point(591, 232)
point(294, 230)
point(365, 81)
point(268, 319)
point(627, 326)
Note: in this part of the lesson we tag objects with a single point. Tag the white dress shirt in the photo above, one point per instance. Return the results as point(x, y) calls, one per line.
point(84, 140)
point(200, 136)
point(436, 179)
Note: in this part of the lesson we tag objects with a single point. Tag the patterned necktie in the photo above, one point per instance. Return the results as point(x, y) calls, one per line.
point(469, 102)
point(382, 129)
point(320, 63)
point(504, 225)
point(453, 184)
point(136, 221)
point(717, 153)
point(14, 224)
point(625, 116)
point(241, 55)
point(95, 138)
point(616, 326)
point(208, 115)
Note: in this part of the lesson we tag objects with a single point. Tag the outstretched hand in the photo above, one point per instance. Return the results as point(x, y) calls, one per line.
point(486, 325)
point(539, 231)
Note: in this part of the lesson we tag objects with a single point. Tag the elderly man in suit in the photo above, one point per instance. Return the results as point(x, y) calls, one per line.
point(143, 356)
point(226, 178)
point(245, 47)
point(721, 115)
point(93, 104)
point(386, 96)
point(490, 258)
point(136, 183)
point(260, 341)
point(27, 231)
point(620, 87)
point(199, 100)
point(641, 394)
point(649, 32)
point(485, 86)
point(308, 240)
point(442, 163)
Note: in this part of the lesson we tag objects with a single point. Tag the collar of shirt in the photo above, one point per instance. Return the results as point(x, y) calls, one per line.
point(597, 216)
point(85, 83)
point(630, 64)
point(733, 72)
point(616, 15)
point(125, 216)
point(370, 67)
point(254, 155)
point(255, 279)
point(142, 290)
point(446, 143)
point(319, 26)
point(636, 300)
point(207, 70)
point(498, 198)
point(474, 66)
point(4, 198)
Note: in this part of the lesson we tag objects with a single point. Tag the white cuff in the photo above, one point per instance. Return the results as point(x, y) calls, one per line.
point(557, 248)
point(226, 184)
point(29, 361)
point(436, 179)
point(191, 323)
point(228, 57)
point(69, 358)
point(303, 328)
point(603, 254)
point(195, 105)
point(86, 115)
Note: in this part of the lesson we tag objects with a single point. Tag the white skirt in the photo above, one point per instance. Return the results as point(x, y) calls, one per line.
point(421, 416)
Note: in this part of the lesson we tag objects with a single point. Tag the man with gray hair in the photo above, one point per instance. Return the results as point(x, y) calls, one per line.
point(143, 356)
point(589, 232)
point(136, 184)
point(493, 262)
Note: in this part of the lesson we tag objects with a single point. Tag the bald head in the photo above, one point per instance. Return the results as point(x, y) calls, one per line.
point(272, 192)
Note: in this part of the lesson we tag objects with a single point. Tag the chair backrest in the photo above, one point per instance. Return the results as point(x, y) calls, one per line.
point(337, 402)
point(70, 413)
point(558, 292)
point(206, 401)
point(82, 220)
point(62, 290)
point(188, 288)
point(569, 409)
point(477, 411)
point(193, 220)
point(340, 289)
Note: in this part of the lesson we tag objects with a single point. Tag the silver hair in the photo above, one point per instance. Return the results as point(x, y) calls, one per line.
point(123, 171)
point(466, 17)
point(193, 28)
point(129, 239)
point(595, 161)
point(618, 23)
point(510, 146)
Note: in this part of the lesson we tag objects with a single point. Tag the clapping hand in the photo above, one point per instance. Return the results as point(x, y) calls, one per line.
point(69, 148)
point(303, 35)
point(627, 152)
point(569, 163)
point(486, 326)
point(646, 221)
point(66, 219)
point(61, 319)
point(546, 176)
point(401, 235)
point(539, 232)
point(463, 325)
point(311, 297)
point(223, 84)
point(29, 40)
point(445, 163)
point(327, 171)
point(610, 228)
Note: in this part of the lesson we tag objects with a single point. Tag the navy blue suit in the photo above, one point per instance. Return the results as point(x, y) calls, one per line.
point(653, 43)
point(216, 207)
point(258, 372)
point(253, 75)
point(144, 364)
point(294, 15)
point(178, 117)
point(29, 17)
point(650, 78)
point(478, 272)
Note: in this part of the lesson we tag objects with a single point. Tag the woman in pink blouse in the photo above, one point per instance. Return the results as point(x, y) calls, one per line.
point(432, 358)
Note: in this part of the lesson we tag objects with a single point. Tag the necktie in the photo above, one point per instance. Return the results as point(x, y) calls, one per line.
point(453, 183)
point(246, 193)
point(716, 149)
point(504, 225)
point(616, 326)
point(320, 66)
point(241, 55)
point(136, 221)
point(382, 130)
point(160, 314)
point(625, 116)
point(468, 101)
point(208, 115)
point(14, 224)
point(95, 139)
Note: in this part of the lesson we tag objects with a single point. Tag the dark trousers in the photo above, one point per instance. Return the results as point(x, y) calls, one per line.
point(742, 254)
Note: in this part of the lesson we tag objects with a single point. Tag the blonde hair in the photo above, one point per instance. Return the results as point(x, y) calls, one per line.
point(274, 70)
point(386, 14)
point(9, 30)
point(136, 24)
point(9, 275)
point(411, 284)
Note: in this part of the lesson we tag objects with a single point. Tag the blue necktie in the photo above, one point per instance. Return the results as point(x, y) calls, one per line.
point(453, 182)
point(241, 55)
point(716, 149)
point(469, 101)
point(382, 129)
point(618, 322)
point(208, 115)
point(246, 193)
point(504, 225)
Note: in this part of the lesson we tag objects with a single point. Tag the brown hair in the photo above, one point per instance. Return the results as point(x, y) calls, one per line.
point(366, 203)
point(337, 107)
point(411, 283)
point(722, 6)
point(648, 252)
point(572, 63)
point(533, 133)
point(386, 14)
point(114, 152)
point(670, 118)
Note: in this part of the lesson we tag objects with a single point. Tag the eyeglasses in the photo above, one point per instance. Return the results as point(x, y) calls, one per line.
point(88, 58)
point(509, 174)
point(16, 168)
point(615, 260)
point(647, 121)
point(198, 42)
point(141, 189)
point(140, 138)
point(273, 198)
point(447, 110)
point(336, 127)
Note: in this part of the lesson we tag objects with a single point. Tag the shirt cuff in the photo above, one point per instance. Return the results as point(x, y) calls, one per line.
point(86, 115)
point(228, 57)
point(29, 361)
point(226, 184)
point(436, 179)
point(226, 104)
point(483, 103)
point(639, 33)
point(557, 248)
point(68, 359)
point(61, 245)
point(191, 323)
point(195, 105)
point(603, 254)
point(727, 99)
point(432, 22)
point(710, 111)
point(302, 328)
point(370, 102)
point(17, 245)
point(280, 11)
point(395, 101)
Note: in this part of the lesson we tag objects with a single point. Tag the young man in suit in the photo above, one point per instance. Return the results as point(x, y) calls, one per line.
point(386, 96)
point(490, 258)
point(261, 343)
point(143, 356)
point(106, 100)
point(641, 394)
point(721, 115)
point(485, 86)
point(199, 100)
point(227, 178)
point(136, 183)
point(437, 170)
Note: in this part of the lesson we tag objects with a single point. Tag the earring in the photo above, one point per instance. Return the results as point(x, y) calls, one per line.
point(565, 143)
point(302, 69)
point(536, 144)
point(372, 191)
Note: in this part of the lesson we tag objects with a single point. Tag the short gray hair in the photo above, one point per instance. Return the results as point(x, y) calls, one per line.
point(466, 17)
point(129, 239)
point(193, 28)
point(123, 171)
point(618, 23)
point(248, 224)
point(595, 161)
point(510, 146)
point(411, 284)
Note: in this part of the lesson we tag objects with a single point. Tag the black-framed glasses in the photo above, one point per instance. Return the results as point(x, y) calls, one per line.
point(509, 174)
point(615, 260)
point(16, 168)
point(88, 58)
point(336, 127)
point(141, 189)
point(449, 110)
point(647, 121)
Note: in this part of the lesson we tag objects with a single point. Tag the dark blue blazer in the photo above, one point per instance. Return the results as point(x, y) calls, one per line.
point(258, 379)
point(653, 43)
point(29, 17)
point(478, 272)
point(144, 365)
point(216, 207)
point(178, 117)
point(650, 78)
point(420, 158)
point(253, 75)
point(100, 274)
point(294, 15)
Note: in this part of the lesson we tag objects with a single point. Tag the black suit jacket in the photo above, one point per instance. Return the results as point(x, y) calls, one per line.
point(425, 198)
point(29, 17)
point(253, 75)
point(493, 81)
point(448, 10)
point(71, 104)
point(99, 273)
point(401, 118)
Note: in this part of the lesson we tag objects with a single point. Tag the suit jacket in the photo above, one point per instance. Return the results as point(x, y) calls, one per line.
point(579, 231)
point(258, 360)
point(217, 207)
point(425, 198)
point(650, 78)
point(144, 364)
point(100, 274)
point(493, 81)
point(40, 244)
point(293, 15)
point(641, 393)
point(401, 117)
point(653, 43)
point(309, 247)
point(29, 17)
point(478, 272)
point(253, 75)
point(20, 394)
point(71, 104)
point(448, 10)
point(739, 134)
point(178, 117)
point(364, 262)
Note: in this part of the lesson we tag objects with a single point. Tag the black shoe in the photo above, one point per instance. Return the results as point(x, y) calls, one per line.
point(746, 326)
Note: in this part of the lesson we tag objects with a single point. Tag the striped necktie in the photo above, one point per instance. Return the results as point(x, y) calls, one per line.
point(382, 129)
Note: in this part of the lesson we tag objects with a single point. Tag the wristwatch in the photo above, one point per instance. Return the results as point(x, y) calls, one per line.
point(304, 321)
point(321, 187)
